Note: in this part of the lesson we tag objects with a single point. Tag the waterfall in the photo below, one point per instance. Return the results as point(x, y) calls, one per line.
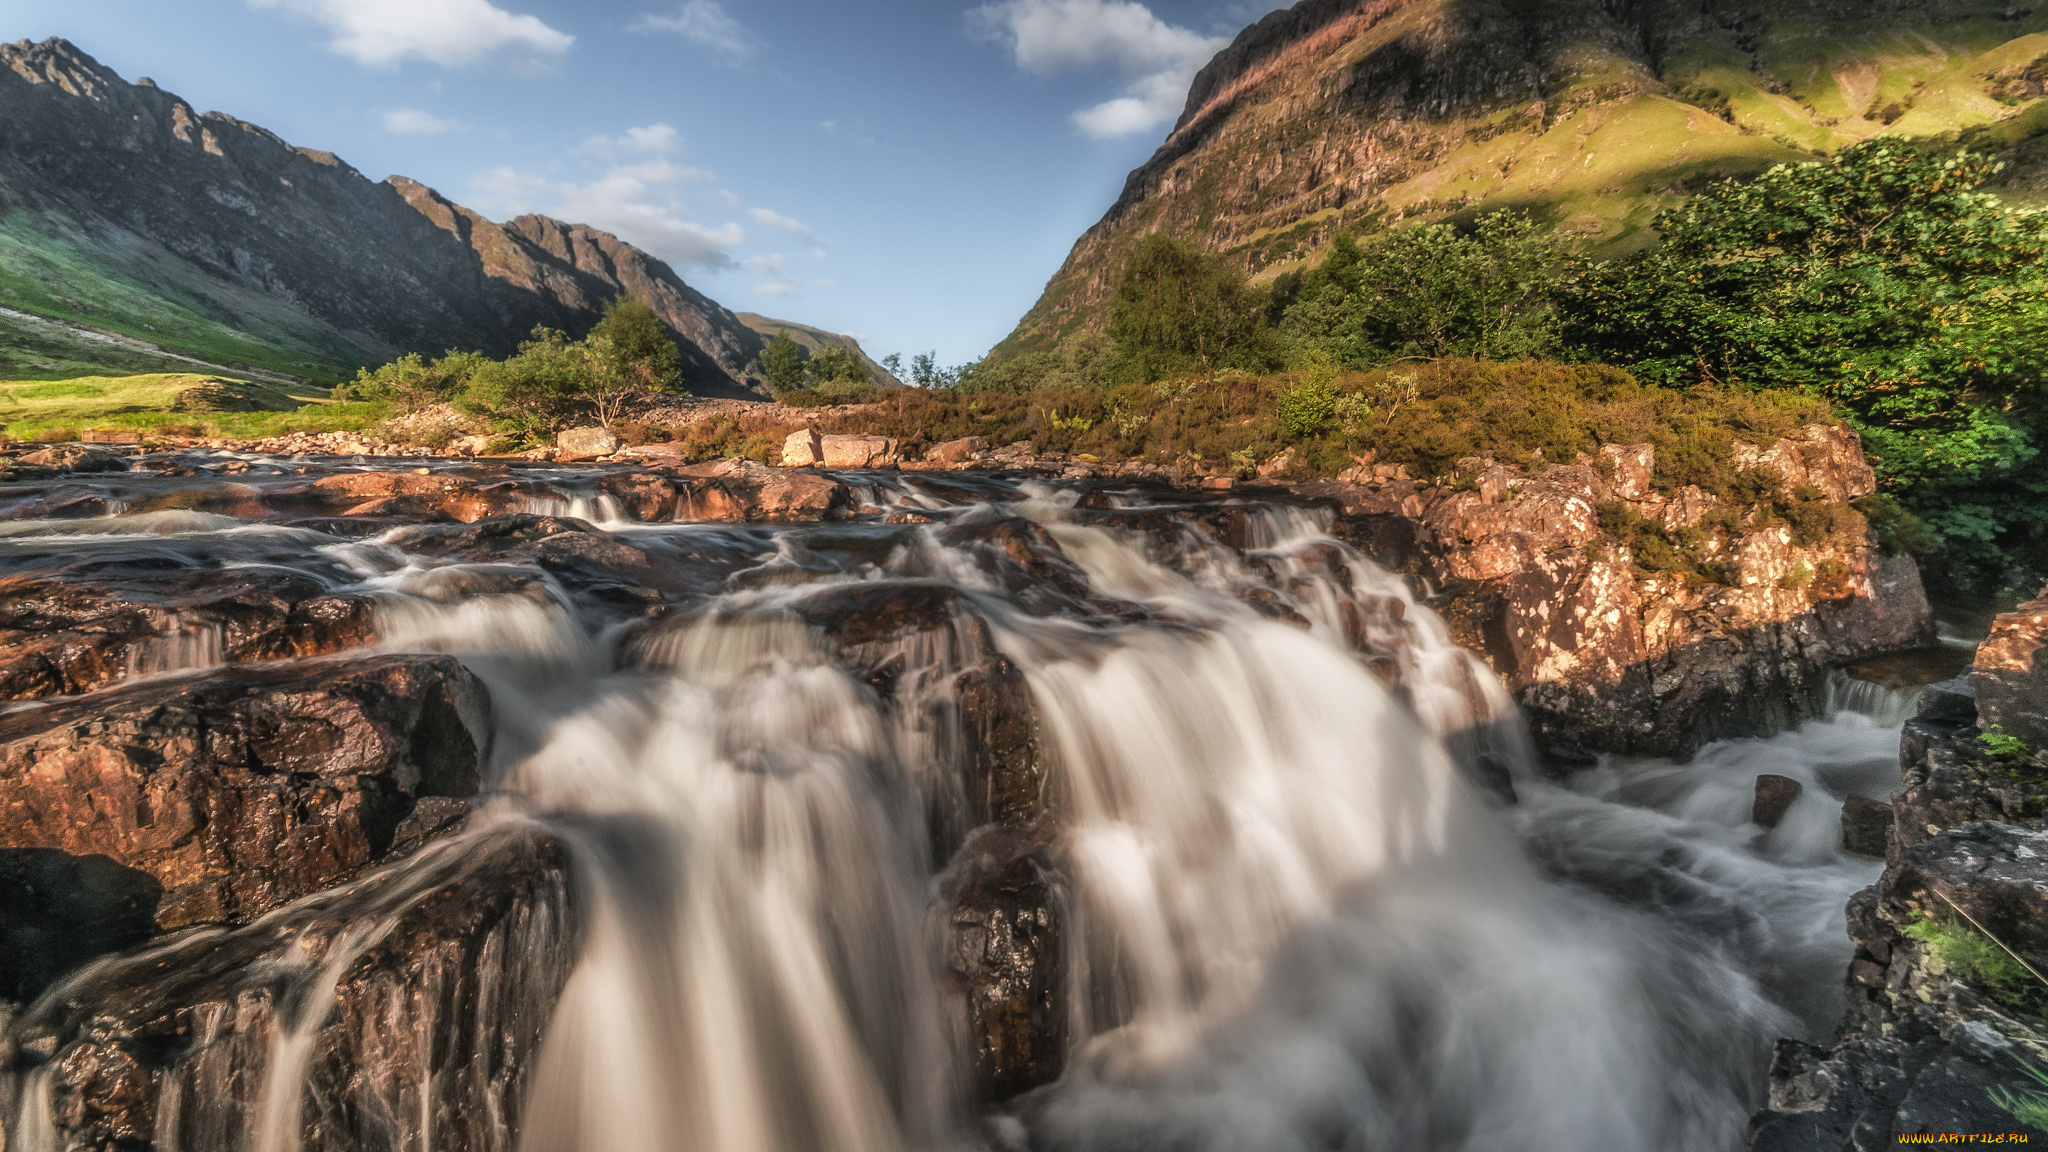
point(1294, 912)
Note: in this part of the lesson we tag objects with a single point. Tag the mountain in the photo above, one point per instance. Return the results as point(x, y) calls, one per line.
point(1592, 115)
point(123, 210)
point(815, 339)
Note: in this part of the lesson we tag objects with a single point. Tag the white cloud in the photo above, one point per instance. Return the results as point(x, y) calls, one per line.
point(651, 140)
point(769, 265)
point(642, 203)
point(770, 218)
point(704, 23)
point(786, 288)
point(817, 253)
point(1049, 37)
point(381, 33)
point(413, 122)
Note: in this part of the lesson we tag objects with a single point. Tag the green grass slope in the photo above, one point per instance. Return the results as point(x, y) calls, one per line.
point(106, 279)
point(1442, 109)
point(169, 402)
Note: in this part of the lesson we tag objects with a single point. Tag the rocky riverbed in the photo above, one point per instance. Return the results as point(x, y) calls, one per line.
point(342, 794)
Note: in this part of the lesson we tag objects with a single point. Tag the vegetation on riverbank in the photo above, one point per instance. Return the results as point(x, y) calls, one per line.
point(170, 405)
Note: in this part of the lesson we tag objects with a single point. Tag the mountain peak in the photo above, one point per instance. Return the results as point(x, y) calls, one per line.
point(58, 61)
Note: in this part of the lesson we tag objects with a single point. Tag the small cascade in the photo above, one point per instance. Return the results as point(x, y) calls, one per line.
point(600, 509)
point(715, 894)
point(179, 647)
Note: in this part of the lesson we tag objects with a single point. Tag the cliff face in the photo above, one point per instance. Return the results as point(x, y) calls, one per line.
point(1933, 1032)
point(124, 207)
point(1592, 114)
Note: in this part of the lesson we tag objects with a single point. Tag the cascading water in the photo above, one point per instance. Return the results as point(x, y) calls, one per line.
point(1294, 921)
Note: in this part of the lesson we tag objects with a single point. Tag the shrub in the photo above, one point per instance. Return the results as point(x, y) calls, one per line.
point(1307, 408)
point(1980, 960)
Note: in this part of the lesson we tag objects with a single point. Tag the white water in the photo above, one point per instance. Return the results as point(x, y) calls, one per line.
point(1297, 926)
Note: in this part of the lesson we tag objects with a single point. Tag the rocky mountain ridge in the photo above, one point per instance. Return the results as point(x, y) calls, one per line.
point(125, 208)
point(1590, 114)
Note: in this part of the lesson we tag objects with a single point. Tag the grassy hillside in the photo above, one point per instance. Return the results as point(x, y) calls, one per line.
point(1591, 117)
point(109, 280)
point(168, 403)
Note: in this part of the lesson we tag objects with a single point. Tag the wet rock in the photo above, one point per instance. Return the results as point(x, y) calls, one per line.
point(1774, 796)
point(1996, 875)
point(249, 787)
point(1948, 781)
point(58, 911)
point(644, 497)
point(1866, 826)
point(748, 491)
point(585, 443)
point(1006, 771)
point(959, 451)
point(2010, 674)
point(76, 458)
point(1022, 554)
point(68, 627)
point(1950, 702)
point(1005, 922)
point(437, 1018)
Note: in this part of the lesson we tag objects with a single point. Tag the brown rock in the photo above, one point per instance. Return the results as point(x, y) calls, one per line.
point(1632, 466)
point(857, 451)
point(438, 1021)
point(2010, 674)
point(76, 458)
point(957, 451)
point(247, 788)
point(802, 449)
point(1774, 795)
point(585, 443)
point(1005, 955)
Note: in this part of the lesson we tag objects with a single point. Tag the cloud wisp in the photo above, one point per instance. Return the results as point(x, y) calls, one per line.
point(639, 197)
point(454, 33)
point(413, 122)
point(1050, 37)
point(769, 218)
point(704, 23)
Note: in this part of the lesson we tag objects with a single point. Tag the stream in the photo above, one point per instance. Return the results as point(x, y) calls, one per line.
point(1288, 908)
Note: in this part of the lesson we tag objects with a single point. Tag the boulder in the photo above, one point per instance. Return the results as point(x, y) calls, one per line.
point(243, 790)
point(1629, 468)
point(1774, 796)
point(802, 449)
point(585, 443)
point(858, 451)
point(76, 458)
point(959, 451)
point(1866, 826)
point(2010, 674)
point(1005, 924)
point(74, 627)
point(430, 1037)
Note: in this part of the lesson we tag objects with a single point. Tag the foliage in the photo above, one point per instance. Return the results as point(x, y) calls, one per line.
point(2026, 1106)
point(1430, 291)
point(1178, 309)
point(1881, 280)
point(627, 353)
point(532, 393)
point(1980, 960)
point(803, 379)
point(783, 362)
point(2001, 745)
point(410, 383)
point(1307, 408)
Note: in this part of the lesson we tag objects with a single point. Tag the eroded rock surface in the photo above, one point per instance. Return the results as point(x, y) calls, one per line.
point(246, 788)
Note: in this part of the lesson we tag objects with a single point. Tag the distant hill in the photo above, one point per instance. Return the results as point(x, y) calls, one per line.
point(812, 339)
point(122, 209)
point(1591, 114)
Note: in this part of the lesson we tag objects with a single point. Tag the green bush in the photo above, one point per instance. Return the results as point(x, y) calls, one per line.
point(1307, 408)
point(1981, 961)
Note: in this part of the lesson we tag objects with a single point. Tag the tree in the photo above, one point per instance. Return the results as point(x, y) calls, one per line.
point(783, 360)
point(1880, 279)
point(533, 393)
point(1430, 292)
point(893, 363)
point(1178, 308)
point(924, 369)
point(629, 352)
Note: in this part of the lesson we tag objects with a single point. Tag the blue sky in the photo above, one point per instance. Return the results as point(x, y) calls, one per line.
point(907, 172)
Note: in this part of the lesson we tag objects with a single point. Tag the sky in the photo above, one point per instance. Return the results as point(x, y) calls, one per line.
point(909, 172)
